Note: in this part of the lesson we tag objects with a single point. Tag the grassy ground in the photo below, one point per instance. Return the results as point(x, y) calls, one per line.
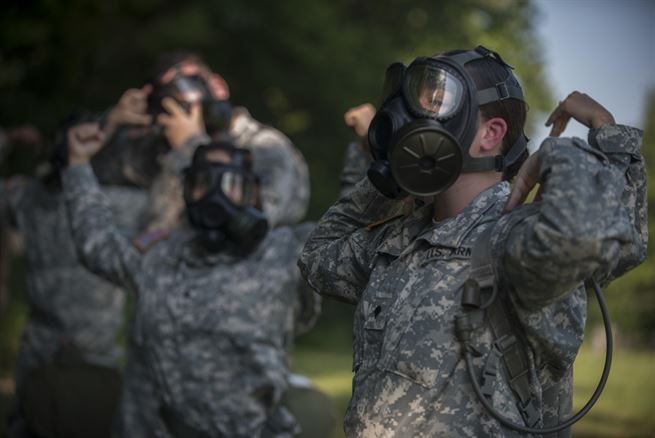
point(625, 410)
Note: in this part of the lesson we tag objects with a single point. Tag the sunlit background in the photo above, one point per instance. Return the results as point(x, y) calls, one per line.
point(298, 65)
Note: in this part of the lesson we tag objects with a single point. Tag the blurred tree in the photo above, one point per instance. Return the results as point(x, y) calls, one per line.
point(296, 64)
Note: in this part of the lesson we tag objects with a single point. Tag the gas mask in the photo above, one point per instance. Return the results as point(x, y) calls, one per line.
point(221, 200)
point(187, 90)
point(421, 135)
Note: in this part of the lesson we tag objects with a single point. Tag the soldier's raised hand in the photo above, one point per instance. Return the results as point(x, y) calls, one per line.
point(84, 141)
point(577, 105)
point(179, 125)
point(525, 181)
point(130, 110)
point(359, 119)
point(582, 108)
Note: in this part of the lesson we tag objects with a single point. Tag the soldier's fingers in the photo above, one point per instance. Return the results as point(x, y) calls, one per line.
point(350, 117)
point(554, 115)
point(133, 97)
point(86, 137)
point(139, 119)
point(164, 119)
point(560, 125)
point(172, 107)
point(86, 130)
point(196, 111)
point(517, 195)
point(359, 113)
point(525, 181)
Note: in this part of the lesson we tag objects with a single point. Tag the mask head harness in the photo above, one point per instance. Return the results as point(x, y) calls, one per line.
point(221, 198)
point(187, 90)
point(428, 118)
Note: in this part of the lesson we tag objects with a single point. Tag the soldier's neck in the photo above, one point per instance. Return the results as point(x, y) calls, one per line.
point(458, 196)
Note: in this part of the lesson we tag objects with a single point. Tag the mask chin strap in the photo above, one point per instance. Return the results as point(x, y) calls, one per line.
point(498, 162)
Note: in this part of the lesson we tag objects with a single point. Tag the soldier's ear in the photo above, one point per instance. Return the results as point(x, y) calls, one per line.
point(491, 134)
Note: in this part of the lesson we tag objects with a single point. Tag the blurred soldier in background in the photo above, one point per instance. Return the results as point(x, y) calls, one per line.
point(215, 303)
point(189, 105)
point(67, 371)
point(11, 139)
point(178, 81)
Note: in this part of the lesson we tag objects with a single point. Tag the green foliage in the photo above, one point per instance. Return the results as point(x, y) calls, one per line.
point(297, 65)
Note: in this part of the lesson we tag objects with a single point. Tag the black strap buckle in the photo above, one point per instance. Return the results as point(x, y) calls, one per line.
point(483, 51)
point(503, 91)
point(530, 413)
point(499, 163)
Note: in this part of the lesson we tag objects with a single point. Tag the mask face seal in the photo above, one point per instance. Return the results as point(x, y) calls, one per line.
point(221, 200)
point(428, 118)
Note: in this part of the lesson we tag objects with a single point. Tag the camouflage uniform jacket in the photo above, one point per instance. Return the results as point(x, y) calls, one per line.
point(210, 330)
point(405, 276)
point(281, 167)
point(68, 304)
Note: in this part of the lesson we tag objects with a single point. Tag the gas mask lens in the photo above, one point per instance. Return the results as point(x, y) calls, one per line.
point(188, 89)
point(236, 186)
point(432, 91)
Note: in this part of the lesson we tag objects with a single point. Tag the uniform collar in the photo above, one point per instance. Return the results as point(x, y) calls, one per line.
point(485, 207)
point(420, 225)
point(401, 235)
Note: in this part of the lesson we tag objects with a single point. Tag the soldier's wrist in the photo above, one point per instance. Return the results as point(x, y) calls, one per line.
point(78, 160)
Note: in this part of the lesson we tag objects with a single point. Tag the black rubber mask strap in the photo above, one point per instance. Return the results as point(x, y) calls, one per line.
point(499, 92)
point(482, 164)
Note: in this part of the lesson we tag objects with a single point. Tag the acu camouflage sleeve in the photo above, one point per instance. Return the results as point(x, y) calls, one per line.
point(581, 229)
point(308, 304)
point(336, 260)
point(284, 177)
point(100, 246)
point(622, 146)
point(355, 165)
point(166, 200)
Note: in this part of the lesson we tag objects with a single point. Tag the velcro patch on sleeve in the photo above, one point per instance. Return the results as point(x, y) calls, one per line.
point(148, 239)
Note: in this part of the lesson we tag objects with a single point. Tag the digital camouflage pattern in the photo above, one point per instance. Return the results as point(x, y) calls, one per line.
point(208, 345)
point(356, 164)
point(280, 166)
point(68, 305)
point(405, 276)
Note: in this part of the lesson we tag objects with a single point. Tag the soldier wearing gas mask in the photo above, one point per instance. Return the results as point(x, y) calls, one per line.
point(186, 104)
point(454, 282)
point(183, 105)
point(214, 303)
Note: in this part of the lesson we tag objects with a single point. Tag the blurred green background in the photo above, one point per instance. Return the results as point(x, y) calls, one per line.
point(298, 65)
